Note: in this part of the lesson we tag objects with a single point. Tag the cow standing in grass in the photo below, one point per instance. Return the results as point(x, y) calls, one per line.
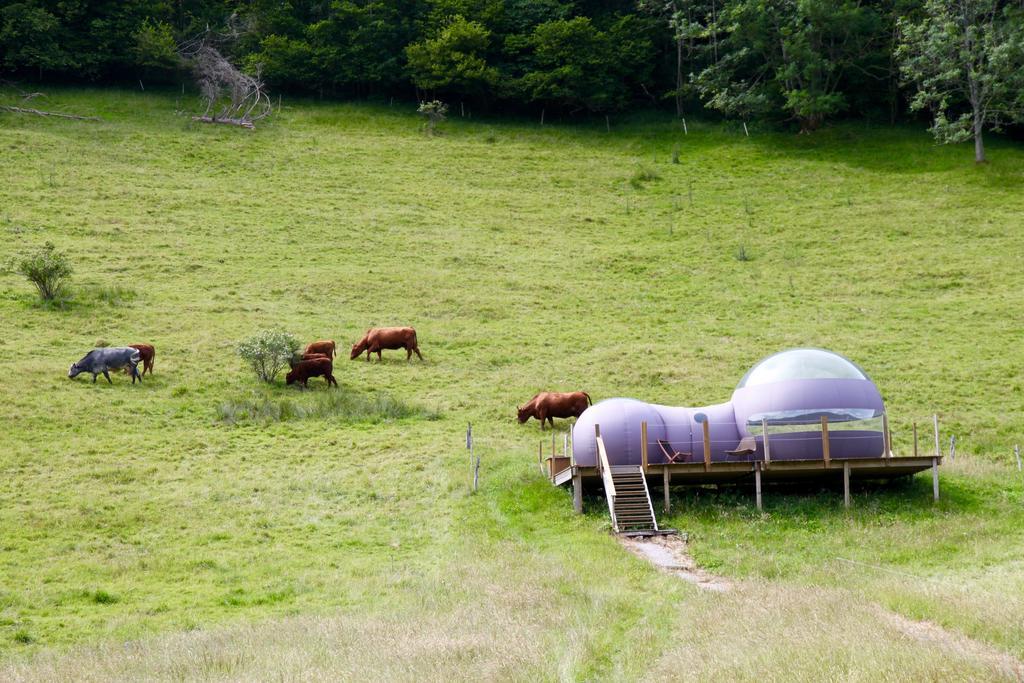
point(317, 367)
point(148, 354)
point(377, 339)
point(326, 347)
point(550, 404)
point(101, 361)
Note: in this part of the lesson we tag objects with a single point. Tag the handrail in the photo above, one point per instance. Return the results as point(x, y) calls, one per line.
point(606, 470)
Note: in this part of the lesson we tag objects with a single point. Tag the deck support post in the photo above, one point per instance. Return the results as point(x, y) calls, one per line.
point(825, 453)
point(666, 478)
point(846, 484)
point(643, 446)
point(757, 483)
point(767, 448)
point(886, 437)
point(707, 444)
point(577, 492)
point(935, 478)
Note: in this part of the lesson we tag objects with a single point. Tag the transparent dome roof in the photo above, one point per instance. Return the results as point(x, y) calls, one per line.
point(801, 364)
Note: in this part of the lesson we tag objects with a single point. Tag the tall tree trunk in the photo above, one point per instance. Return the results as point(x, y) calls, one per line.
point(979, 143)
point(679, 76)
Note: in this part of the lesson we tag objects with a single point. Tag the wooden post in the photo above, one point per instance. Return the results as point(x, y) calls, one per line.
point(915, 439)
point(846, 483)
point(707, 444)
point(757, 483)
point(825, 453)
point(643, 446)
point(577, 492)
point(935, 421)
point(935, 478)
point(886, 437)
point(666, 479)
point(767, 449)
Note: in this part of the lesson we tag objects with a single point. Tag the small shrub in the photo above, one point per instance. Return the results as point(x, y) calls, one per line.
point(48, 269)
point(339, 405)
point(436, 111)
point(268, 352)
point(115, 296)
point(24, 637)
point(102, 597)
point(642, 175)
point(741, 253)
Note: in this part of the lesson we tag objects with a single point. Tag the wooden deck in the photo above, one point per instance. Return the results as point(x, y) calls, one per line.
point(561, 472)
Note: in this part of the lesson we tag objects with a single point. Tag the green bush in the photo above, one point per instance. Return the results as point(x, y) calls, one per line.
point(48, 270)
point(268, 352)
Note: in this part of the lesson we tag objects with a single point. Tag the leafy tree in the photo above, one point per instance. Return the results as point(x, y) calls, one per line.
point(454, 60)
point(966, 52)
point(268, 352)
point(574, 65)
point(155, 47)
point(29, 38)
point(788, 56)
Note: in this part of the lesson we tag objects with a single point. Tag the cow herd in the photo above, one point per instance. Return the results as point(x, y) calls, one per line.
point(317, 360)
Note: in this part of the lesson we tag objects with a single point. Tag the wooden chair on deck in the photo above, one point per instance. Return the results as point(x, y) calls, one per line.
point(671, 454)
point(746, 446)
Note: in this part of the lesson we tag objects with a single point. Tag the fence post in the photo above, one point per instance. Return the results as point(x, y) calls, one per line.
point(935, 422)
point(935, 478)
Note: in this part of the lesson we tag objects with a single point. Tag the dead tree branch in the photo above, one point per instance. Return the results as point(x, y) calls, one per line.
point(39, 112)
point(231, 96)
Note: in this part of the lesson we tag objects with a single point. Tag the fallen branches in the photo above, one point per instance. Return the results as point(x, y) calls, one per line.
point(244, 123)
point(40, 112)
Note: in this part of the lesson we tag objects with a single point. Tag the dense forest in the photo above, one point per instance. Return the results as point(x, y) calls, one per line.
point(797, 61)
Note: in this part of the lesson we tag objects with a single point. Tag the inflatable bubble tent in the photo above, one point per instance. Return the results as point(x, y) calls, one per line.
point(789, 392)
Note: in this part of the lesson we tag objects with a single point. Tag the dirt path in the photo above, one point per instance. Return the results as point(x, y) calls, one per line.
point(669, 554)
point(1006, 666)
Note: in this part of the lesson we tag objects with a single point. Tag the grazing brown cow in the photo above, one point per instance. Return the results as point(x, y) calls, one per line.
point(379, 338)
point(326, 347)
point(317, 367)
point(550, 404)
point(147, 353)
point(294, 360)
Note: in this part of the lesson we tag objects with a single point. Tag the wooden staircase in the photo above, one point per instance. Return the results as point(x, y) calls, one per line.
point(629, 501)
point(631, 507)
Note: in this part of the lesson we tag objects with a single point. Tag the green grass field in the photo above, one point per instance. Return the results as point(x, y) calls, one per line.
point(180, 529)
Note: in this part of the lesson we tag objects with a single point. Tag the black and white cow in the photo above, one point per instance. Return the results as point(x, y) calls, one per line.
point(104, 359)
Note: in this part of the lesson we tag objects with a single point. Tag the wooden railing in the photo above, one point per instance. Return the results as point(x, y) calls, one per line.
point(606, 475)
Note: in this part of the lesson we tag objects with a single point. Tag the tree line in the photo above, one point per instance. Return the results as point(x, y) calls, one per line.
point(799, 61)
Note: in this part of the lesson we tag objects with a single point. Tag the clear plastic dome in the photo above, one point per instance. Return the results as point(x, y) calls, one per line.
point(801, 364)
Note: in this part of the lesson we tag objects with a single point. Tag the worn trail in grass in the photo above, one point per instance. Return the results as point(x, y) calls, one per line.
point(236, 529)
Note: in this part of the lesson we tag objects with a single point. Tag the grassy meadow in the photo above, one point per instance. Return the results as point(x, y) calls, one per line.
point(204, 526)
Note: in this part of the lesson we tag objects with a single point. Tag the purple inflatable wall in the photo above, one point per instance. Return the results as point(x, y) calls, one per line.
point(789, 389)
